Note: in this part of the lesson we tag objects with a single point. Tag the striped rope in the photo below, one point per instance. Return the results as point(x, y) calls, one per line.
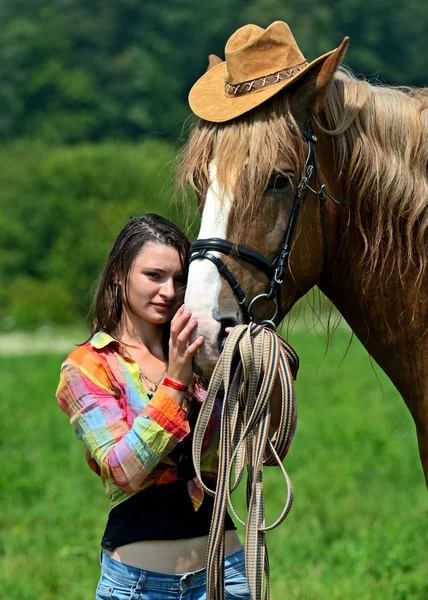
point(252, 358)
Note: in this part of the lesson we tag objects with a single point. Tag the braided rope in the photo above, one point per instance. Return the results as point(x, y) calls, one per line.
point(260, 355)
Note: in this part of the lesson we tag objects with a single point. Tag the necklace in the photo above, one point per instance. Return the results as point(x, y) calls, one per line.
point(150, 385)
point(147, 382)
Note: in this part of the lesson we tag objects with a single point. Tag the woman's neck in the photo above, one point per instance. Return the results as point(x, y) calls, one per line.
point(136, 333)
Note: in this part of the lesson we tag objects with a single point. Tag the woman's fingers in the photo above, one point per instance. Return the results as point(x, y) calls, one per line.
point(182, 327)
point(179, 321)
point(177, 315)
point(179, 312)
point(186, 332)
point(194, 347)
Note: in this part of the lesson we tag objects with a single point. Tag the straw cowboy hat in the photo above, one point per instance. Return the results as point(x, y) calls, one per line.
point(259, 63)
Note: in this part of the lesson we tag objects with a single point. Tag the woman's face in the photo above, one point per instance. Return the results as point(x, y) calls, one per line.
point(156, 284)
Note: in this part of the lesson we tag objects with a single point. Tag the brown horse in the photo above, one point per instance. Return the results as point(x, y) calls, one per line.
point(368, 254)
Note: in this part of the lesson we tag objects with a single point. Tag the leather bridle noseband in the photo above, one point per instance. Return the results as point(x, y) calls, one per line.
point(274, 270)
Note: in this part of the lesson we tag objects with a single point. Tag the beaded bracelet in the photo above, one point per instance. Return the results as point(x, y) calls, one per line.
point(176, 386)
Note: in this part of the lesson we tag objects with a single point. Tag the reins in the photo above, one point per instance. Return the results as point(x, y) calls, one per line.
point(252, 359)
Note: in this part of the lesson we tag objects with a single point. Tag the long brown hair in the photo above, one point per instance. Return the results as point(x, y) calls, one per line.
point(107, 305)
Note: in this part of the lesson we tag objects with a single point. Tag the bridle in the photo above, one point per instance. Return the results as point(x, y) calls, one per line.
point(274, 270)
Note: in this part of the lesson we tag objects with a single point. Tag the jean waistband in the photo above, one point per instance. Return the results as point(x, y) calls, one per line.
point(135, 576)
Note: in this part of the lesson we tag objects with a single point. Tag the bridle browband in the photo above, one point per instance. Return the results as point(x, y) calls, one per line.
point(274, 270)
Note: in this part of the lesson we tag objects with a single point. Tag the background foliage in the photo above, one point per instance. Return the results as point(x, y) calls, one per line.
point(61, 209)
point(73, 70)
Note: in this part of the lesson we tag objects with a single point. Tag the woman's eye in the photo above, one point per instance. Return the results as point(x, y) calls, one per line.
point(279, 183)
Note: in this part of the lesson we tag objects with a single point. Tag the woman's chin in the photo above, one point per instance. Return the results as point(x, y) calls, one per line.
point(161, 317)
point(153, 317)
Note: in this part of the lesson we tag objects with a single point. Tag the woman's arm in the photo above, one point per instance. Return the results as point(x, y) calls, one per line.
point(125, 455)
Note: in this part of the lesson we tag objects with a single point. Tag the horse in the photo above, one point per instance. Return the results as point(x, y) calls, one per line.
point(329, 178)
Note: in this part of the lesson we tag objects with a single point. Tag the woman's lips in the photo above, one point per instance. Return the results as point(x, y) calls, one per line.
point(162, 307)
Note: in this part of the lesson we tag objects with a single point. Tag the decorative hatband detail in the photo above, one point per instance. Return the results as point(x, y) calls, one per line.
point(247, 87)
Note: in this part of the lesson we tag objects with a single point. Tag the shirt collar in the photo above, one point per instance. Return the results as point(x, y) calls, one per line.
point(101, 339)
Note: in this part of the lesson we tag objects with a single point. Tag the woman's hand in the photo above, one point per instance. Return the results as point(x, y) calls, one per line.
point(181, 351)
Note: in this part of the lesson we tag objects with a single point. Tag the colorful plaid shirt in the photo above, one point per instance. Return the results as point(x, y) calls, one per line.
point(128, 436)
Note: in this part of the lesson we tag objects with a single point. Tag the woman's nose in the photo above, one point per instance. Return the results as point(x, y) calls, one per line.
point(168, 289)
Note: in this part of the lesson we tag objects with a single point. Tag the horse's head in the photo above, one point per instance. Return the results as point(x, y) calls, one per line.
point(250, 175)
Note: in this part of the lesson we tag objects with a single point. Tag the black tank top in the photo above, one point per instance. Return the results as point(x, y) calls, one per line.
point(163, 512)
point(160, 512)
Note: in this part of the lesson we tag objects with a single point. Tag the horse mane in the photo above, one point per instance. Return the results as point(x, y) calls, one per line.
point(379, 137)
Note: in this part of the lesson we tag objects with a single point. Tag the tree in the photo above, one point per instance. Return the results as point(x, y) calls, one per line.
point(73, 70)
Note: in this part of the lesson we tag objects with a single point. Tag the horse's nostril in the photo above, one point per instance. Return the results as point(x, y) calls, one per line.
point(223, 335)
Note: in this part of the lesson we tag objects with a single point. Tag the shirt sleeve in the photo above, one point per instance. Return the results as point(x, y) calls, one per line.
point(125, 454)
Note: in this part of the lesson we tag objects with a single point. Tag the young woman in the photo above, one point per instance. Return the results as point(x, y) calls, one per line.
point(131, 397)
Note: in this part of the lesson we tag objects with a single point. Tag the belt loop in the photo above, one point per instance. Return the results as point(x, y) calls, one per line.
point(185, 581)
point(141, 580)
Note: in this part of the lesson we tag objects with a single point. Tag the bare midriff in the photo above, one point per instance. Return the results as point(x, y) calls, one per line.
point(171, 556)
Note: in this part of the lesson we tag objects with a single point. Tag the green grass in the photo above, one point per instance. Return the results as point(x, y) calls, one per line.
point(357, 530)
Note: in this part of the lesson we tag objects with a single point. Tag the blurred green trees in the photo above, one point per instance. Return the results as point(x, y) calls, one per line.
point(60, 211)
point(73, 70)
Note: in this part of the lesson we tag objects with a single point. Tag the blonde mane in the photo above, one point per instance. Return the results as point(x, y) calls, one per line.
point(379, 137)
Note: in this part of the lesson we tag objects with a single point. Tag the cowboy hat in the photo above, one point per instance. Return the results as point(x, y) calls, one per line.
point(259, 63)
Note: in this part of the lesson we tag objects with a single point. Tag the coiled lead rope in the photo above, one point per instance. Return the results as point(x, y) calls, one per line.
point(258, 356)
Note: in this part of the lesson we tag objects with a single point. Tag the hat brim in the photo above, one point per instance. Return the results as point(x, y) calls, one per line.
point(208, 100)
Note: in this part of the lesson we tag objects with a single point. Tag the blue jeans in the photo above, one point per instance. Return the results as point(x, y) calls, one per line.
point(120, 581)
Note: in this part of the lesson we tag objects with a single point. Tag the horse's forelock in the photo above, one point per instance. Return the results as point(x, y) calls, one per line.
point(246, 152)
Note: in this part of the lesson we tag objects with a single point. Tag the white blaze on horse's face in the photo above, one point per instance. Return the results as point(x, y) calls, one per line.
point(204, 282)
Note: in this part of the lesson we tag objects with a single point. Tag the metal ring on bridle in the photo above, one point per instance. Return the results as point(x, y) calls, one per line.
point(267, 322)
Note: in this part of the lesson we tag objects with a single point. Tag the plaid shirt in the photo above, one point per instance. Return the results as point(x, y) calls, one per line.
point(127, 436)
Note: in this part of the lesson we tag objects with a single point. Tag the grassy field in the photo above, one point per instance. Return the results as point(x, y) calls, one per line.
point(357, 530)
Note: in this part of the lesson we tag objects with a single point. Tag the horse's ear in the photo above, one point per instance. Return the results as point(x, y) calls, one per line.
point(213, 60)
point(312, 87)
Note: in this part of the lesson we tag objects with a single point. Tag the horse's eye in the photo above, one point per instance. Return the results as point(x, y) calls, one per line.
point(279, 183)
